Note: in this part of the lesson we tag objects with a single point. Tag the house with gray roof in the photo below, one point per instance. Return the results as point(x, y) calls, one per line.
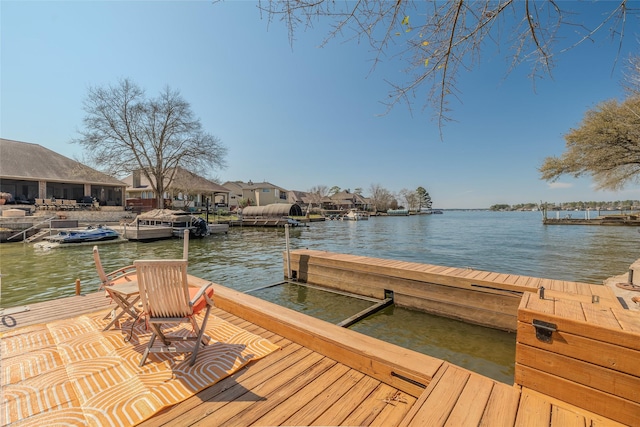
point(301, 198)
point(345, 200)
point(186, 190)
point(30, 171)
point(255, 193)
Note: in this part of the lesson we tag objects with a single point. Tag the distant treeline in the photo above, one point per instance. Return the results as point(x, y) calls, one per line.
point(618, 205)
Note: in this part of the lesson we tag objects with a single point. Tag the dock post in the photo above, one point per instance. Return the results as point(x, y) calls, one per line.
point(77, 286)
point(286, 238)
point(185, 245)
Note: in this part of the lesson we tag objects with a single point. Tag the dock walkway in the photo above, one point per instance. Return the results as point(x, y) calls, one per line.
point(327, 375)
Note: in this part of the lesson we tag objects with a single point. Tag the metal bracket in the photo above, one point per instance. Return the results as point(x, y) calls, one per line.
point(544, 330)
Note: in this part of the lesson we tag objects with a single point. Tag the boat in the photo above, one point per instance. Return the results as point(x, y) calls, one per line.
point(89, 234)
point(355, 215)
point(398, 212)
point(177, 220)
point(430, 211)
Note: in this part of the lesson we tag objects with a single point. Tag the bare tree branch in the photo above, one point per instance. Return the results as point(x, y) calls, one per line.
point(125, 131)
point(438, 39)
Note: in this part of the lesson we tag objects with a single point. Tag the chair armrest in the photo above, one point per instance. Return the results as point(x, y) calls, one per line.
point(202, 292)
point(121, 272)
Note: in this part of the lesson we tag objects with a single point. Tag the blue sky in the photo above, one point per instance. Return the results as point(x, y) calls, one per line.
point(301, 116)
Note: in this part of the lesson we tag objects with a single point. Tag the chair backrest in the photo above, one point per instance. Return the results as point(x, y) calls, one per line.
point(104, 280)
point(164, 290)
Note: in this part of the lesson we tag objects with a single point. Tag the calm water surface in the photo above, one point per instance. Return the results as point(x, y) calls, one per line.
point(246, 258)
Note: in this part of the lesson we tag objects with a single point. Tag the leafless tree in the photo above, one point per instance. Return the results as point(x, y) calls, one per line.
point(380, 197)
point(316, 194)
point(631, 82)
point(437, 40)
point(411, 197)
point(126, 131)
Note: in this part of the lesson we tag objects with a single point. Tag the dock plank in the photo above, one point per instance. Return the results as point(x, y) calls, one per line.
point(472, 402)
point(371, 406)
point(228, 389)
point(357, 394)
point(275, 392)
point(570, 287)
point(58, 309)
point(441, 398)
point(295, 402)
point(533, 411)
point(502, 406)
point(237, 399)
point(328, 397)
point(394, 412)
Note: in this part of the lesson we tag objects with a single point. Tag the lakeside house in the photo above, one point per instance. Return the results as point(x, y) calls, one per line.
point(300, 198)
point(30, 171)
point(345, 200)
point(341, 201)
point(255, 194)
point(187, 190)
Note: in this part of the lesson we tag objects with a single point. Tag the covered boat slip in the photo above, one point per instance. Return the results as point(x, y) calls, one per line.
point(328, 375)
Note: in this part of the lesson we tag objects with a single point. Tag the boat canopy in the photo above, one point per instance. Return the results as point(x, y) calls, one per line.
point(164, 215)
point(274, 210)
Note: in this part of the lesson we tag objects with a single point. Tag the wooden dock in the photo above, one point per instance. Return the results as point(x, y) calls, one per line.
point(328, 375)
point(481, 297)
point(576, 342)
point(629, 220)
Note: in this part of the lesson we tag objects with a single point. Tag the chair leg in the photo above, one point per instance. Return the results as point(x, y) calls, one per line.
point(148, 349)
point(196, 347)
point(117, 318)
point(157, 330)
point(126, 307)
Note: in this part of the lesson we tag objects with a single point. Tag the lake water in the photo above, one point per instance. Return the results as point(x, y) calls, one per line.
point(246, 258)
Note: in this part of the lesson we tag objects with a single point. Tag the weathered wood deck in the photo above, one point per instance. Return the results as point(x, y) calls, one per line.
point(327, 375)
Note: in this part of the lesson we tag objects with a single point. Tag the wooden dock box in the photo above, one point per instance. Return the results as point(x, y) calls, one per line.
point(583, 353)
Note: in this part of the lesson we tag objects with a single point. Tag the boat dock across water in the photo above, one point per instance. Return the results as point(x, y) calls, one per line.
point(576, 354)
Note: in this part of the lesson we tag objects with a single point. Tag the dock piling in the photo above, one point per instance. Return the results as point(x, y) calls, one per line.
point(286, 237)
